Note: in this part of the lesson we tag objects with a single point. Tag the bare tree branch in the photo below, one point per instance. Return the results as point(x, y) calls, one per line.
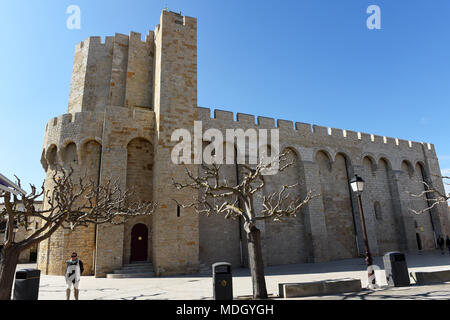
point(70, 203)
point(431, 195)
point(217, 196)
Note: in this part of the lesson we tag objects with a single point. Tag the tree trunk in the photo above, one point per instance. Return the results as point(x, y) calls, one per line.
point(8, 266)
point(256, 263)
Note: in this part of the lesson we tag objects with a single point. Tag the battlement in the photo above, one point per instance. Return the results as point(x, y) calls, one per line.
point(178, 18)
point(107, 42)
point(96, 42)
point(95, 116)
point(114, 71)
point(88, 125)
point(307, 130)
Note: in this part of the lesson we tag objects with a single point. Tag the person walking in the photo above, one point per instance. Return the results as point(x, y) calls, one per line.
point(447, 242)
point(440, 242)
point(74, 269)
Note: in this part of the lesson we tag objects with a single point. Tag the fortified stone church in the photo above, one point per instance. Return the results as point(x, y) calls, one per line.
point(127, 97)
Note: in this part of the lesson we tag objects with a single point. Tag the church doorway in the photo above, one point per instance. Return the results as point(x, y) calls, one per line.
point(139, 243)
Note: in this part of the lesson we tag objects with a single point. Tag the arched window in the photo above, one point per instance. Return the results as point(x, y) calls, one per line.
point(377, 210)
point(52, 156)
point(70, 156)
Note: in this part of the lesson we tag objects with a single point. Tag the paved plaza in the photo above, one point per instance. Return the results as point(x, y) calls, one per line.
point(199, 287)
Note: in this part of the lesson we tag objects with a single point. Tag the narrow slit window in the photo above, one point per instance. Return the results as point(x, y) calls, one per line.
point(178, 211)
point(377, 209)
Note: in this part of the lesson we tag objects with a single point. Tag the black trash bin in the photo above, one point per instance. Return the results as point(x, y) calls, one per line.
point(396, 269)
point(222, 281)
point(26, 286)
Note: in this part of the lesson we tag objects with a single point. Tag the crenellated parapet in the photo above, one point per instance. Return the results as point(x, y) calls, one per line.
point(331, 139)
point(82, 127)
point(117, 71)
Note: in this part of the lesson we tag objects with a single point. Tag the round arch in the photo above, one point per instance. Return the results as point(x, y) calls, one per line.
point(137, 137)
point(386, 160)
point(327, 154)
point(89, 149)
point(69, 154)
point(372, 161)
point(52, 155)
point(293, 150)
point(409, 167)
point(347, 158)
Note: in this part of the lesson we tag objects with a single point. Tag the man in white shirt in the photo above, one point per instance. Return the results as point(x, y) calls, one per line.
point(74, 269)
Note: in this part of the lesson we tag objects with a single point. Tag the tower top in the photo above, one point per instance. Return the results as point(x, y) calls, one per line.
point(166, 9)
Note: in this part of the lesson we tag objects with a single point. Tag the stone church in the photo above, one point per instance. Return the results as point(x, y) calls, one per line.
point(127, 96)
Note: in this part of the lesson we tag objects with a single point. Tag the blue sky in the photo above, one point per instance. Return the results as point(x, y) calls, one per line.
point(310, 61)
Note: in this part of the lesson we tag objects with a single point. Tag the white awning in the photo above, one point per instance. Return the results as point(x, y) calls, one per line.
point(7, 185)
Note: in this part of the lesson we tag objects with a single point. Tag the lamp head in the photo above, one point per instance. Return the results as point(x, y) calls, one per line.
point(357, 184)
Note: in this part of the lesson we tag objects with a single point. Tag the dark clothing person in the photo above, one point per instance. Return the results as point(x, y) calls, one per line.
point(440, 242)
point(447, 242)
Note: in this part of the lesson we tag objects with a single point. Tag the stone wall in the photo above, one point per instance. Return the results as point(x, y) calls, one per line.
point(220, 238)
point(423, 223)
point(89, 141)
point(285, 241)
point(117, 72)
point(338, 209)
point(380, 210)
point(175, 237)
point(330, 157)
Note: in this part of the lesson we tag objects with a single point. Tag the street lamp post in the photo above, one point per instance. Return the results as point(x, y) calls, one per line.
point(357, 184)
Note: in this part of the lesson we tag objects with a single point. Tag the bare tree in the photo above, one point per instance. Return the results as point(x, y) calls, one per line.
point(217, 196)
point(68, 205)
point(433, 196)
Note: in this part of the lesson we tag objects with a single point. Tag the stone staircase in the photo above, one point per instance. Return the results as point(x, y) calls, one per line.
point(133, 270)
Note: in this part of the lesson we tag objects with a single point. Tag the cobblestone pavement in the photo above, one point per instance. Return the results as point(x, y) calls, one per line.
point(199, 287)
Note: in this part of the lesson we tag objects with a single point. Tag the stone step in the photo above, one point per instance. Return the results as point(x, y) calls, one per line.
point(430, 277)
point(142, 269)
point(319, 288)
point(138, 270)
point(149, 266)
point(130, 275)
point(137, 264)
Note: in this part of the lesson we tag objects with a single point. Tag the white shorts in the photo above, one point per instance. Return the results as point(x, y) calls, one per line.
point(76, 285)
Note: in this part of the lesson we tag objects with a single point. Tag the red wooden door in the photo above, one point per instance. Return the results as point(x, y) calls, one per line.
point(139, 242)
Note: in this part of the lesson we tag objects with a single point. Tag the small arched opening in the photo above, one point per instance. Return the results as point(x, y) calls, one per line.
point(139, 243)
